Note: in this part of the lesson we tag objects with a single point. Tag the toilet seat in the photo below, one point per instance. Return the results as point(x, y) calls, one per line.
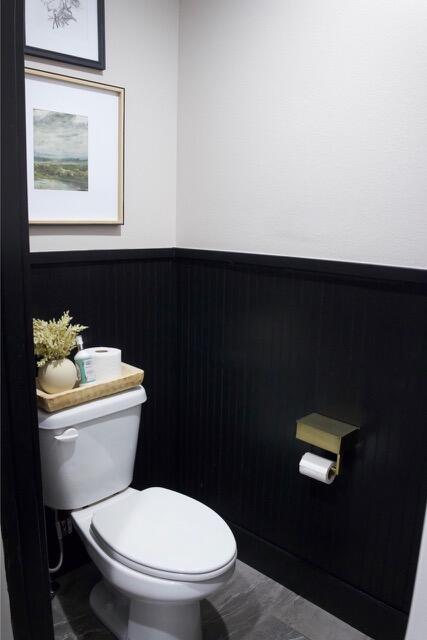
point(165, 534)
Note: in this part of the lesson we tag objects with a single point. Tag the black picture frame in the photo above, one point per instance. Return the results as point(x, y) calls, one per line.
point(75, 60)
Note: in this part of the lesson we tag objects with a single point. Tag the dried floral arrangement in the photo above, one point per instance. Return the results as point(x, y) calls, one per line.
point(55, 339)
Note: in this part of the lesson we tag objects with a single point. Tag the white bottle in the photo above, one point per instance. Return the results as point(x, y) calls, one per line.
point(84, 364)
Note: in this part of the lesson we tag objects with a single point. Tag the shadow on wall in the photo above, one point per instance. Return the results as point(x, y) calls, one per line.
point(85, 230)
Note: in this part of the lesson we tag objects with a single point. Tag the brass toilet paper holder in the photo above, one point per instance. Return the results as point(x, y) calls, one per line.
point(328, 434)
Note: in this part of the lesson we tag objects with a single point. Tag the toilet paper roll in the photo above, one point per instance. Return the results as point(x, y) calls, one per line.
point(317, 468)
point(107, 362)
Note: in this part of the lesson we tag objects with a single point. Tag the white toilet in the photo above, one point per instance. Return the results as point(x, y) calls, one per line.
point(160, 552)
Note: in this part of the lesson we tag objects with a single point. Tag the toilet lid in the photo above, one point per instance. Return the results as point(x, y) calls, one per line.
point(158, 530)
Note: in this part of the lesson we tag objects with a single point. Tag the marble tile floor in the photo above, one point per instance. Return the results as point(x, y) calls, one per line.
point(250, 607)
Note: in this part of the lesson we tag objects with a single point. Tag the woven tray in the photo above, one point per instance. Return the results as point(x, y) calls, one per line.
point(131, 377)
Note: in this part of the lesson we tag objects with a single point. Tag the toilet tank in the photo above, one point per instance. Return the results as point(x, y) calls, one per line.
point(88, 452)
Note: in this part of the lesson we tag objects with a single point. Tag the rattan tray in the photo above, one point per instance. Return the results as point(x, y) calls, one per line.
point(131, 377)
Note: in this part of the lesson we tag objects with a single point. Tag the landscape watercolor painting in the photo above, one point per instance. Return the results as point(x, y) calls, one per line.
point(60, 151)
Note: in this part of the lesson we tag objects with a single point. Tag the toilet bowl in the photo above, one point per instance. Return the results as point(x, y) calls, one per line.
point(159, 553)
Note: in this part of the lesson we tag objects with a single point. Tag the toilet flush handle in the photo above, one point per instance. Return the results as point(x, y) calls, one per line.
point(68, 436)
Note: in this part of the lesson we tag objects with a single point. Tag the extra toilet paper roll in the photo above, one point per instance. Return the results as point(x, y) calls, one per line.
point(107, 362)
point(317, 468)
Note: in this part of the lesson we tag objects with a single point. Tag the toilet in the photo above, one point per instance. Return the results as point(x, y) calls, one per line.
point(159, 552)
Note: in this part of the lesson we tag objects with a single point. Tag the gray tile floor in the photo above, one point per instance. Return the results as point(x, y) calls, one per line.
point(250, 607)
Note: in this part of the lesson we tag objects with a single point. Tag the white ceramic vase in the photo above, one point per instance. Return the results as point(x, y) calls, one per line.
point(57, 376)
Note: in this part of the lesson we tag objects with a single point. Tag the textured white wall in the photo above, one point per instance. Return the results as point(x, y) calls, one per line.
point(303, 128)
point(142, 56)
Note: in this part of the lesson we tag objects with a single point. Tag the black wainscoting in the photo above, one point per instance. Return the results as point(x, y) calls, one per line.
point(236, 347)
point(128, 300)
point(264, 344)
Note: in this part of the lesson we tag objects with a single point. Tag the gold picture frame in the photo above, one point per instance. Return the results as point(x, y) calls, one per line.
point(76, 116)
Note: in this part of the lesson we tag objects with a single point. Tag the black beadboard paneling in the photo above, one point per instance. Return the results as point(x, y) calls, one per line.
point(101, 255)
point(128, 300)
point(236, 347)
point(337, 269)
point(129, 304)
point(264, 345)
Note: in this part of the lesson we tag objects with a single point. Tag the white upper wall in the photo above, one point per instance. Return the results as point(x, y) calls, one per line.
point(142, 56)
point(303, 128)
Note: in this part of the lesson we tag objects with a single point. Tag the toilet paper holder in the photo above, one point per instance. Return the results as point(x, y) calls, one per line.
point(328, 434)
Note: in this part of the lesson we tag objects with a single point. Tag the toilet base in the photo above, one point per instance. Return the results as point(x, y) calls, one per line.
point(139, 620)
point(111, 607)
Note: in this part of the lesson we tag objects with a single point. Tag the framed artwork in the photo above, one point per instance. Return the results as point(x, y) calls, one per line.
point(71, 31)
point(75, 133)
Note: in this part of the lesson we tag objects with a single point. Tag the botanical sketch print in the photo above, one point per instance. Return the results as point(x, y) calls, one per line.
point(60, 151)
point(61, 12)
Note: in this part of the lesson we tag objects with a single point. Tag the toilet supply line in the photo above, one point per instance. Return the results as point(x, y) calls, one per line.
point(60, 543)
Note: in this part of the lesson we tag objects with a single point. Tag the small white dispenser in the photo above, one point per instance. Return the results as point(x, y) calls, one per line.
point(84, 364)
